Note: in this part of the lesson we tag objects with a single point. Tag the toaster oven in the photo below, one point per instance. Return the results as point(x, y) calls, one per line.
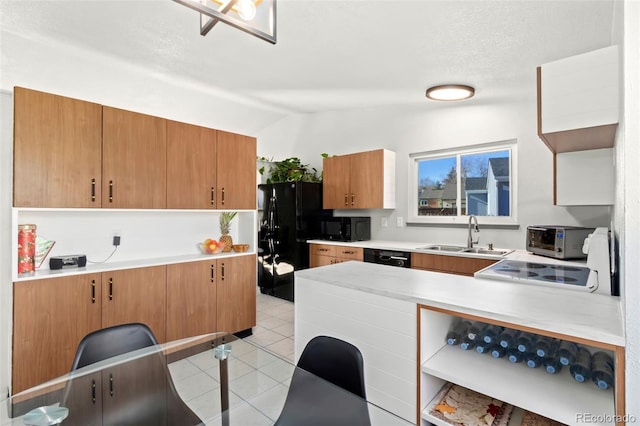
point(559, 242)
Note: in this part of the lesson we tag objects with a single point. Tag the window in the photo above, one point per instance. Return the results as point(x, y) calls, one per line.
point(451, 185)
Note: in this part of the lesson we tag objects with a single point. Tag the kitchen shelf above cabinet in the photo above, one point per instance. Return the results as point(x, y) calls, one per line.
point(557, 396)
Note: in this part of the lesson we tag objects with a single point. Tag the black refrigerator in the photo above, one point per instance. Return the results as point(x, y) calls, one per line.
point(291, 213)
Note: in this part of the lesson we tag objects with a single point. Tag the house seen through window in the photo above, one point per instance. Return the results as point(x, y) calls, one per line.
point(473, 181)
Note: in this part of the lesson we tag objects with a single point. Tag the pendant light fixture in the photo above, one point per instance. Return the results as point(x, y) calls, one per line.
point(450, 92)
point(256, 17)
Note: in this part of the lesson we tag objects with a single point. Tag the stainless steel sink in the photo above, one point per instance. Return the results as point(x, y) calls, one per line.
point(463, 249)
point(440, 247)
point(486, 251)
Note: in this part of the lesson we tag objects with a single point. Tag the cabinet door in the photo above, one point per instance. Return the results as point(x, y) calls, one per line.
point(191, 299)
point(450, 264)
point(350, 253)
point(316, 260)
point(336, 182)
point(191, 166)
point(367, 173)
point(57, 151)
point(236, 169)
point(133, 160)
point(236, 293)
point(50, 317)
point(321, 255)
point(135, 295)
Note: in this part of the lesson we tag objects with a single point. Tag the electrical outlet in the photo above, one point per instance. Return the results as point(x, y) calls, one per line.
point(399, 222)
point(384, 222)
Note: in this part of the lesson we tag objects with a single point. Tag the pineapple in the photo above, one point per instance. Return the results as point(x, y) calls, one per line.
point(225, 227)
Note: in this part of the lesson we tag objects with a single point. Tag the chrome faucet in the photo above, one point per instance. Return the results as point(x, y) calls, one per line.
point(470, 241)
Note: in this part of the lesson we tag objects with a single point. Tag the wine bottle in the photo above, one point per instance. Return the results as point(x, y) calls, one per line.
point(581, 368)
point(467, 344)
point(602, 370)
point(544, 346)
point(508, 337)
point(514, 355)
point(491, 333)
point(497, 351)
point(526, 342)
point(532, 360)
point(482, 347)
point(457, 332)
point(475, 330)
point(551, 361)
point(567, 352)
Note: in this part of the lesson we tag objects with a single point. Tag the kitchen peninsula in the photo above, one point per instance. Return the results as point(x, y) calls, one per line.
point(399, 317)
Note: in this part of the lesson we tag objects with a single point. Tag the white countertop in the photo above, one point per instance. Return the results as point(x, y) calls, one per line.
point(414, 247)
point(588, 316)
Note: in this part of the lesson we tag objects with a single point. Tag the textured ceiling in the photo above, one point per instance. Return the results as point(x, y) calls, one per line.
point(331, 54)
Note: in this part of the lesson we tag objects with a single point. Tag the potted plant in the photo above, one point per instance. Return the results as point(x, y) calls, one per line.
point(291, 170)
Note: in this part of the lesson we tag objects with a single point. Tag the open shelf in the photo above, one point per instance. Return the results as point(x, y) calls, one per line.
point(556, 396)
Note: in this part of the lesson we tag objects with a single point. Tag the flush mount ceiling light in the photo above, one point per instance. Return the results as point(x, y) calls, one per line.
point(256, 17)
point(450, 92)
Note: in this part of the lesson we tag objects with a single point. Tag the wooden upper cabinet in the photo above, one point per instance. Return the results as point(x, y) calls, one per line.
point(191, 299)
point(191, 166)
point(236, 171)
point(57, 151)
point(236, 293)
point(364, 180)
point(336, 181)
point(136, 295)
point(133, 160)
point(50, 317)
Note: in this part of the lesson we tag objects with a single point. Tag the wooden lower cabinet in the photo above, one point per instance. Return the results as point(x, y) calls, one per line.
point(136, 295)
point(236, 293)
point(450, 264)
point(191, 299)
point(50, 317)
point(329, 254)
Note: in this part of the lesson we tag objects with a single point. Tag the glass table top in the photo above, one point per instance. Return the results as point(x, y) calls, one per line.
point(209, 379)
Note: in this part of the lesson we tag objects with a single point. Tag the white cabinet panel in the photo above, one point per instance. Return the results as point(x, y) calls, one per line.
point(384, 329)
point(585, 178)
point(580, 91)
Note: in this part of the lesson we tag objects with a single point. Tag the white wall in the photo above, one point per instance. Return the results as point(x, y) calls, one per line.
point(6, 185)
point(406, 131)
point(92, 76)
point(628, 203)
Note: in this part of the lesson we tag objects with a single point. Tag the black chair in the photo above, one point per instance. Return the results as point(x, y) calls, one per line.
point(112, 341)
point(137, 392)
point(327, 386)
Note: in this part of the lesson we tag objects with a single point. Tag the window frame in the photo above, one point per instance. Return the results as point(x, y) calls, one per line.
point(510, 145)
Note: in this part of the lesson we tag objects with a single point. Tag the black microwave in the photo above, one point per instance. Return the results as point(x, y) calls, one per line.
point(346, 228)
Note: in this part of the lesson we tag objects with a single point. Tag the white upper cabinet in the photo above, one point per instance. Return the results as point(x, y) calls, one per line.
point(578, 101)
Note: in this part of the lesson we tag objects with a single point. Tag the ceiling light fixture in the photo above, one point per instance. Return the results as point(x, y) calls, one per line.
point(256, 17)
point(450, 92)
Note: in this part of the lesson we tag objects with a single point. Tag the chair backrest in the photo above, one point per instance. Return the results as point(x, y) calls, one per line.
point(112, 341)
point(335, 361)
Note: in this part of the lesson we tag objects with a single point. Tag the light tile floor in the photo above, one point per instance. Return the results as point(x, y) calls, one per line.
point(258, 381)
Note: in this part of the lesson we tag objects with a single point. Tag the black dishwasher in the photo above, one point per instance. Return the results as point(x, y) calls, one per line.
point(388, 257)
